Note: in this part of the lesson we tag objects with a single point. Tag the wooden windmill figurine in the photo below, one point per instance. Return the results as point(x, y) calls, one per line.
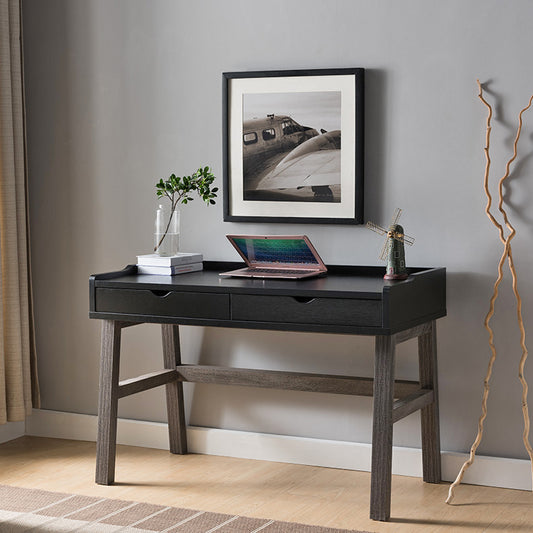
point(393, 250)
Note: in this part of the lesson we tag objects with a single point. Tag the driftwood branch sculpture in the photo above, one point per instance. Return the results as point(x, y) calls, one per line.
point(506, 254)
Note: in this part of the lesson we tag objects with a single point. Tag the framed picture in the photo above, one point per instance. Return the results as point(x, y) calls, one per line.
point(283, 156)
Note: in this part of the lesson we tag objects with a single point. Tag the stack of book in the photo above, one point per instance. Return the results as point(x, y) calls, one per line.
point(170, 265)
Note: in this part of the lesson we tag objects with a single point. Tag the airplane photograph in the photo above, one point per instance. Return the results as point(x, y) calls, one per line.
point(291, 147)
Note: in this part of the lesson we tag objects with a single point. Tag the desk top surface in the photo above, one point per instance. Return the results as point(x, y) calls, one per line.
point(341, 281)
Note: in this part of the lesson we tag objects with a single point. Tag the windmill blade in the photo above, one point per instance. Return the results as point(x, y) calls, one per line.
point(408, 240)
point(396, 216)
point(376, 228)
point(385, 250)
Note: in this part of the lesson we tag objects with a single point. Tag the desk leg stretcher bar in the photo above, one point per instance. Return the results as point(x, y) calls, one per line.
point(410, 397)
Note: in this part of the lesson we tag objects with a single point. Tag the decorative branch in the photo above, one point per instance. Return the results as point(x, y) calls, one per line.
point(507, 253)
point(523, 358)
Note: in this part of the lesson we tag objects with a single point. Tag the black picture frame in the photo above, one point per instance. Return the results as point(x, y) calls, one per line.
point(257, 188)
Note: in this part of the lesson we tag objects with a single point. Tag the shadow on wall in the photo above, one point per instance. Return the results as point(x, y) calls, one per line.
point(60, 165)
point(376, 126)
point(273, 411)
point(520, 204)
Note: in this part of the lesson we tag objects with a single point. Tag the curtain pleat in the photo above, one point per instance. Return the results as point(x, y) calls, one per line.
point(18, 377)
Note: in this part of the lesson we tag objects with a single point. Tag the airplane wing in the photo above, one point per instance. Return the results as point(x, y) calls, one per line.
point(309, 170)
point(316, 162)
point(259, 168)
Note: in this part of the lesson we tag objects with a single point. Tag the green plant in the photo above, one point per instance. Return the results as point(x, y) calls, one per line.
point(179, 191)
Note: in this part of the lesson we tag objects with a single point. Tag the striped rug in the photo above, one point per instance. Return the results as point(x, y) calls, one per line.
point(41, 511)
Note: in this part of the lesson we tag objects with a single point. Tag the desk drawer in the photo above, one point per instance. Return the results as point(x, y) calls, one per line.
point(336, 311)
point(159, 303)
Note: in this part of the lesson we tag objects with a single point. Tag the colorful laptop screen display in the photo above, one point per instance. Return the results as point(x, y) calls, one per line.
point(286, 251)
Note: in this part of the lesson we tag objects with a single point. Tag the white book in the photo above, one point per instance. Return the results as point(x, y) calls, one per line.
point(169, 270)
point(183, 258)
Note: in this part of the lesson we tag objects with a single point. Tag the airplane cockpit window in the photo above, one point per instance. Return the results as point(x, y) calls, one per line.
point(286, 128)
point(249, 138)
point(269, 134)
point(290, 126)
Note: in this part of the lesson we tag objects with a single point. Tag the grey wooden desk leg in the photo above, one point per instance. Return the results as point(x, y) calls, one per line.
point(380, 489)
point(177, 429)
point(108, 403)
point(429, 415)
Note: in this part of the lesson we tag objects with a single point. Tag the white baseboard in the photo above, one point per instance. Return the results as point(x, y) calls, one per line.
point(488, 471)
point(12, 430)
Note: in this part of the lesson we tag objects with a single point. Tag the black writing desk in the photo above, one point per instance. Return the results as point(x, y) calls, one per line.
point(350, 300)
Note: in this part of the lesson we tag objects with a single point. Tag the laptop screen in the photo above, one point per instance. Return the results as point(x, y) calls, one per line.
point(272, 250)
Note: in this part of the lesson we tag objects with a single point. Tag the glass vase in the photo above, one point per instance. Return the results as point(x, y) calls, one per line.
point(166, 231)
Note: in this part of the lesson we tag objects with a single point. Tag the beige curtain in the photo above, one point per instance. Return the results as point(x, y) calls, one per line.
point(18, 383)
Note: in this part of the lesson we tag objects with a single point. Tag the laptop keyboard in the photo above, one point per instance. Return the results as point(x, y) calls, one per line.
point(282, 251)
point(276, 271)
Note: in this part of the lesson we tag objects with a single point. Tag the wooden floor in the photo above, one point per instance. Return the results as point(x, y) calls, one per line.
point(296, 493)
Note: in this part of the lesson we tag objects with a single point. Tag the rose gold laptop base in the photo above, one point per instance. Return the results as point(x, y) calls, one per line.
point(264, 273)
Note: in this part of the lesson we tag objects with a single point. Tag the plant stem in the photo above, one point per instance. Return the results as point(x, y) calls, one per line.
point(172, 209)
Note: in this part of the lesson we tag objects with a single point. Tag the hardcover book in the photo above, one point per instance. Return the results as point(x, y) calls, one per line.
point(184, 258)
point(170, 270)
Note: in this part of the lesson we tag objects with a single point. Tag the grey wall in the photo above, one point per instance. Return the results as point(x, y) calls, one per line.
point(121, 93)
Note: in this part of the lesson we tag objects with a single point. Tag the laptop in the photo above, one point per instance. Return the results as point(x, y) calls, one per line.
point(276, 256)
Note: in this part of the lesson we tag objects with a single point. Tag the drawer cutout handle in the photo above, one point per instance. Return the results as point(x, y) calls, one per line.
point(304, 299)
point(160, 294)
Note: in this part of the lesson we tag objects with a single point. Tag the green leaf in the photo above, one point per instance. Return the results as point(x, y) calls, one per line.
point(178, 189)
